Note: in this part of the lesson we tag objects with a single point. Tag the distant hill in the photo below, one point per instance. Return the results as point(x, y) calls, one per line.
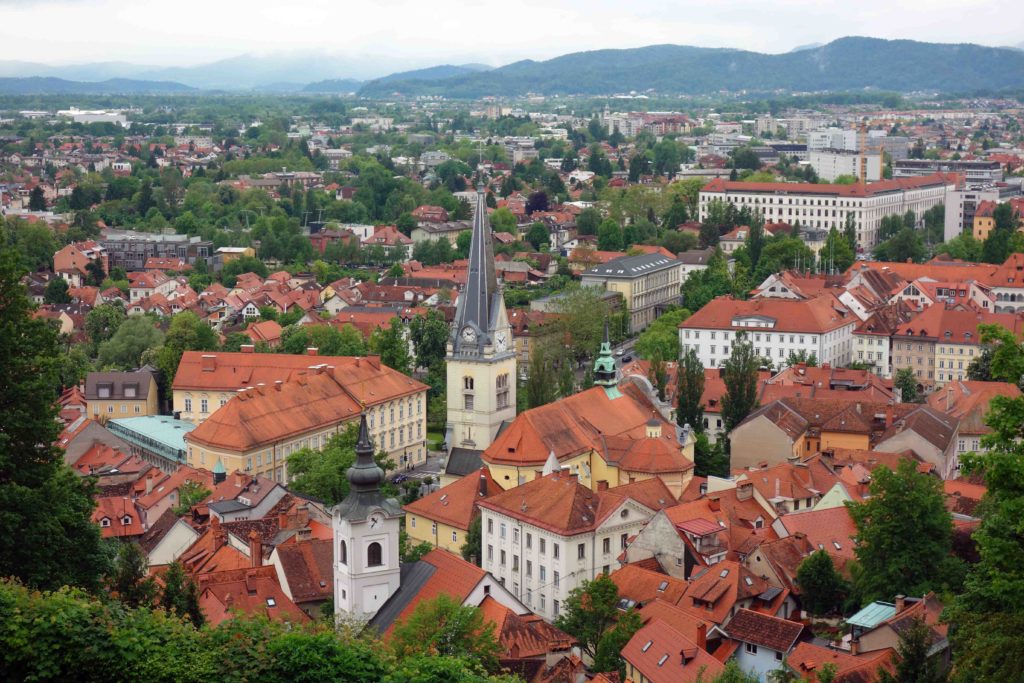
point(36, 85)
point(808, 46)
point(435, 73)
point(844, 64)
point(334, 85)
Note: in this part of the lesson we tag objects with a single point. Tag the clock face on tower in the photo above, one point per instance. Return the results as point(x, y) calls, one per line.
point(376, 520)
point(469, 334)
point(500, 341)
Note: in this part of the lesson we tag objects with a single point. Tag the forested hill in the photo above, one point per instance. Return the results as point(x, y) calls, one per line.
point(36, 85)
point(844, 64)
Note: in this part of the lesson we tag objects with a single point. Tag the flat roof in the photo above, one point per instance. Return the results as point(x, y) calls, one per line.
point(159, 433)
point(873, 615)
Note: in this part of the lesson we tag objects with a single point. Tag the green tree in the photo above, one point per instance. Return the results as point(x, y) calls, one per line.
point(130, 581)
point(181, 595)
point(801, 356)
point(905, 245)
point(734, 674)
point(187, 332)
point(710, 458)
point(429, 336)
point(538, 235)
point(661, 338)
point(392, 347)
point(822, 589)
point(190, 493)
point(906, 381)
point(739, 373)
point(421, 668)
point(443, 626)
point(912, 660)
point(96, 276)
point(836, 255)
point(850, 231)
point(904, 535)
point(540, 390)
point(608, 656)
point(244, 264)
point(56, 292)
point(589, 611)
point(472, 549)
point(102, 323)
point(323, 474)
point(1005, 354)
point(667, 158)
point(503, 220)
point(690, 391)
point(36, 200)
point(587, 222)
point(702, 286)
point(609, 236)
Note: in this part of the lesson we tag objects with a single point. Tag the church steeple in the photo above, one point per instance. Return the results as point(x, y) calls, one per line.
point(365, 478)
point(475, 316)
point(605, 374)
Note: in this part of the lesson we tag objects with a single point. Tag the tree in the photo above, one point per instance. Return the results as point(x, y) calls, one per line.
point(1005, 354)
point(540, 390)
point(912, 660)
point(667, 157)
point(608, 656)
point(429, 336)
point(587, 221)
point(906, 382)
point(850, 231)
point(181, 595)
point(732, 673)
point(96, 275)
point(690, 391)
point(538, 235)
point(822, 589)
point(836, 255)
point(710, 458)
point(102, 323)
point(56, 292)
point(503, 220)
point(130, 581)
point(537, 201)
point(661, 338)
point(740, 377)
point(904, 535)
point(428, 668)
point(904, 245)
point(187, 332)
point(323, 474)
point(190, 493)
point(36, 200)
point(390, 344)
point(443, 626)
point(589, 611)
point(609, 236)
point(472, 549)
point(801, 356)
point(244, 264)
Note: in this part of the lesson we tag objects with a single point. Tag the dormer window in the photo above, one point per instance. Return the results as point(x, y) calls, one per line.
point(126, 520)
point(131, 390)
point(104, 390)
point(105, 522)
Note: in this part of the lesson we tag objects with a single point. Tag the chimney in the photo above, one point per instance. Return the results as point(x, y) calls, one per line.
point(312, 351)
point(229, 600)
point(255, 549)
point(745, 491)
point(277, 384)
point(483, 485)
point(247, 348)
point(208, 362)
point(149, 485)
point(702, 635)
point(302, 514)
point(854, 646)
point(714, 504)
point(949, 399)
point(602, 485)
point(901, 603)
point(282, 520)
point(220, 534)
point(889, 414)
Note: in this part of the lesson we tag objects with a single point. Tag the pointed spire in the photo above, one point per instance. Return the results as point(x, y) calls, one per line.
point(604, 366)
point(478, 297)
point(365, 475)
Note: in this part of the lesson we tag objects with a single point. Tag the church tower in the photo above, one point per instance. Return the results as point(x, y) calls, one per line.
point(481, 357)
point(366, 525)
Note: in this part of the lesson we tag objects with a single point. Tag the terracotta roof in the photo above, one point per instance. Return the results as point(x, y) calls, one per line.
point(452, 576)
point(691, 623)
point(114, 510)
point(308, 569)
point(556, 502)
point(968, 401)
point(253, 591)
point(830, 529)
point(99, 457)
point(574, 425)
point(954, 326)
point(522, 636)
point(714, 590)
point(764, 630)
point(642, 586)
point(720, 185)
point(664, 655)
point(934, 427)
point(651, 493)
point(814, 316)
point(456, 503)
point(791, 481)
point(807, 659)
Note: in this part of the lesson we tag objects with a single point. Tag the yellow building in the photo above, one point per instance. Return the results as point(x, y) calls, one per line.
point(648, 284)
point(443, 517)
point(121, 394)
point(395, 404)
point(984, 220)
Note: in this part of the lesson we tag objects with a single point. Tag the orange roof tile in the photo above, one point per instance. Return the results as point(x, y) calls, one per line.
point(455, 504)
point(813, 316)
point(664, 655)
point(644, 585)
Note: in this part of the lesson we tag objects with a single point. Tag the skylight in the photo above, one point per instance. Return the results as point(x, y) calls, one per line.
point(271, 602)
point(662, 586)
point(647, 646)
point(725, 573)
point(664, 658)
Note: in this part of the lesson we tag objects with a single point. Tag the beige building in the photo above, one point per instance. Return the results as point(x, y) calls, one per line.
point(254, 410)
point(121, 394)
point(649, 283)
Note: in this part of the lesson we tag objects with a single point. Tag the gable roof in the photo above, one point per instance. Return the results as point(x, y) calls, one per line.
point(764, 630)
point(641, 586)
point(664, 655)
point(830, 529)
point(307, 567)
point(455, 504)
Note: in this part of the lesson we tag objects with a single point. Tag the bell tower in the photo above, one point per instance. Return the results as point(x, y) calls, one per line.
point(366, 526)
point(481, 357)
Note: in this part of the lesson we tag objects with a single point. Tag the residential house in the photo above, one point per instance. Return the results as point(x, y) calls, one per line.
point(71, 262)
point(122, 394)
point(967, 402)
point(766, 641)
point(442, 518)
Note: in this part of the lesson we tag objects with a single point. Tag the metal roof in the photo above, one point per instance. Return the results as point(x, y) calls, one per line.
point(873, 615)
point(161, 434)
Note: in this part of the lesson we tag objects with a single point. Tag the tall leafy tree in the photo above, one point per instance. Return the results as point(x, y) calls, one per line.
point(429, 336)
point(912, 660)
point(589, 611)
point(608, 656)
point(689, 391)
point(740, 377)
point(56, 292)
point(443, 626)
point(130, 580)
point(181, 595)
point(836, 255)
point(46, 536)
point(661, 338)
point(391, 345)
point(472, 549)
point(904, 536)
point(540, 389)
point(822, 589)
point(906, 381)
point(134, 337)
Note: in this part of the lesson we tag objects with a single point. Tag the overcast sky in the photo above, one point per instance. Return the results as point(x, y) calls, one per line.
point(426, 32)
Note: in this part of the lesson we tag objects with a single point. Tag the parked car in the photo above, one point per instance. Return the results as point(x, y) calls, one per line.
point(627, 359)
point(399, 478)
point(619, 352)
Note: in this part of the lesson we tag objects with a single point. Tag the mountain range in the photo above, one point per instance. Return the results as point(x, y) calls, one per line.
point(845, 64)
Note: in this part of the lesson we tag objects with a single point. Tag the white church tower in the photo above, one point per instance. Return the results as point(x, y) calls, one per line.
point(481, 357)
point(366, 525)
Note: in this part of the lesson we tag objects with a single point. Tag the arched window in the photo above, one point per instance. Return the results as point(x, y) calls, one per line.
point(467, 383)
point(343, 553)
point(374, 555)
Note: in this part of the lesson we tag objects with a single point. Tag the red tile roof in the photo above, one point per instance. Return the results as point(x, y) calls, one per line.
point(825, 529)
point(814, 316)
point(115, 509)
point(807, 659)
point(664, 655)
point(455, 504)
point(453, 577)
point(308, 569)
point(253, 591)
point(764, 630)
point(644, 585)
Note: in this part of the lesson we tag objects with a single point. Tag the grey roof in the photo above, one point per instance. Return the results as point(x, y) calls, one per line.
point(480, 298)
point(462, 461)
point(633, 266)
point(696, 257)
point(412, 578)
point(228, 506)
point(117, 381)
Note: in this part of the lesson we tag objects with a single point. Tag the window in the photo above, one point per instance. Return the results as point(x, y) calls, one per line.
point(110, 409)
point(490, 526)
point(529, 540)
point(412, 522)
point(204, 405)
point(529, 568)
point(623, 540)
point(188, 405)
point(490, 553)
point(543, 599)
point(343, 553)
point(138, 410)
point(104, 390)
point(502, 558)
point(131, 391)
point(374, 555)
point(467, 383)
point(543, 549)
point(455, 537)
point(778, 656)
point(581, 551)
point(554, 550)
point(554, 607)
point(515, 563)
point(433, 528)
point(468, 401)
point(543, 573)
point(557, 579)
point(750, 648)
point(515, 536)
point(529, 597)
point(504, 530)
point(104, 522)
point(606, 546)
point(271, 602)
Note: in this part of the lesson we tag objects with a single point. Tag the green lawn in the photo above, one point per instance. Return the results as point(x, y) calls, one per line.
point(435, 440)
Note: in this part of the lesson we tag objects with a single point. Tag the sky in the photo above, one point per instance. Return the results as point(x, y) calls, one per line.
point(383, 34)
